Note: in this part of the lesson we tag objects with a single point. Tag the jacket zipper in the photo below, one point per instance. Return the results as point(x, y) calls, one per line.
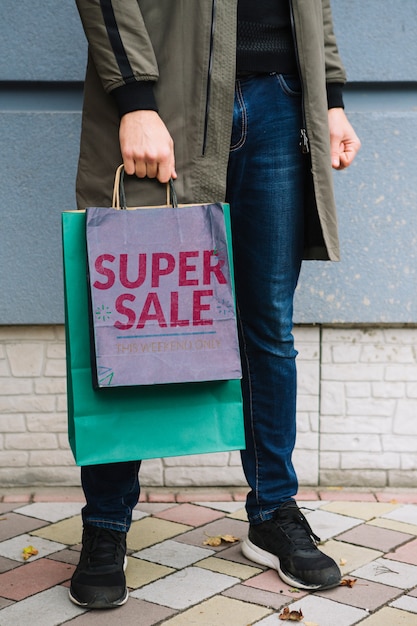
point(209, 71)
point(304, 141)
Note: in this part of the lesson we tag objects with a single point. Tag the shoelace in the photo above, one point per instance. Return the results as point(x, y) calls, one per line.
point(295, 526)
point(103, 546)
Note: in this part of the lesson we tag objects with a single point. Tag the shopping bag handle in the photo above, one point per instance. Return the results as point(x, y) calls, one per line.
point(119, 195)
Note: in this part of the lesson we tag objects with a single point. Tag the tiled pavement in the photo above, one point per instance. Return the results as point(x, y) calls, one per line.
point(176, 579)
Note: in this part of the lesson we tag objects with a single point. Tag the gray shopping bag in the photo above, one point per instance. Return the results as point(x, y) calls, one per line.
point(161, 295)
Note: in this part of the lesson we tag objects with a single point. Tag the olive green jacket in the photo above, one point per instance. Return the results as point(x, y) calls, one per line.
point(187, 47)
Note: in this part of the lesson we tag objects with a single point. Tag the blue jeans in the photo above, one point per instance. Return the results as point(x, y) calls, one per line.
point(265, 191)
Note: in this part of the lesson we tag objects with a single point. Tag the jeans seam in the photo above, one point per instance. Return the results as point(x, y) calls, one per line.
point(244, 125)
point(103, 523)
point(244, 345)
point(286, 88)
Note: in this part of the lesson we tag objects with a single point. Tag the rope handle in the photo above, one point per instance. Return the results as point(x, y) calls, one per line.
point(119, 195)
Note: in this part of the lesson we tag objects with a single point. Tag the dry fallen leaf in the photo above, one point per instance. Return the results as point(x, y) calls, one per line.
point(292, 616)
point(348, 582)
point(310, 623)
point(219, 539)
point(28, 552)
point(342, 562)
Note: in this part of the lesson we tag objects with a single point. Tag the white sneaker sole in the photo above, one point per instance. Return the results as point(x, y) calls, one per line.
point(262, 557)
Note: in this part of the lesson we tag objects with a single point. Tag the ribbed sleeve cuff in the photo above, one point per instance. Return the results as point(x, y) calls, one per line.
point(335, 95)
point(135, 96)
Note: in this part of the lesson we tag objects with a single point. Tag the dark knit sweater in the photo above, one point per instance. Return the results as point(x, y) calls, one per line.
point(265, 43)
point(264, 37)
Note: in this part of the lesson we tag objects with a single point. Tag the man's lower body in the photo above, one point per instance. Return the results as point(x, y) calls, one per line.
point(265, 186)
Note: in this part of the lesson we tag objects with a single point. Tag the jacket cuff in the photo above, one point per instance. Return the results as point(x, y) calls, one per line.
point(135, 96)
point(335, 95)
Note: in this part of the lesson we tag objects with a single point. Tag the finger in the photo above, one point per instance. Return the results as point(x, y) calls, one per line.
point(151, 170)
point(140, 169)
point(129, 165)
point(166, 170)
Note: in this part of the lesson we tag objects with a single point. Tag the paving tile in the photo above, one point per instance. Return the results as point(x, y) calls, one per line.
point(406, 603)
point(190, 514)
point(222, 566)
point(361, 510)
point(16, 498)
point(271, 620)
point(270, 581)
point(161, 497)
point(220, 610)
point(185, 588)
point(153, 507)
point(4, 602)
point(406, 513)
point(226, 507)
point(349, 496)
point(173, 554)
point(225, 526)
point(257, 596)
point(33, 577)
point(326, 612)
point(382, 522)
point(49, 608)
point(347, 556)
point(373, 537)
point(13, 524)
point(389, 572)
point(66, 556)
point(413, 593)
point(307, 495)
point(61, 495)
point(390, 617)
point(204, 497)
point(365, 594)
point(68, 532)
point(151, 530)
point(127, 614)
point(6, 507)
point(51, 511)
point(240, 515)
point(326, 524)
point(7, 564)
point(240, 497)
point(137, 515)
point(234, 553)
point(12, 548)
point(386, 496)
point(140, 573)
point(311, 505)
point(406, 553)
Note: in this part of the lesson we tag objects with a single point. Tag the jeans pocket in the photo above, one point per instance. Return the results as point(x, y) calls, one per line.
point(240, 121)
point(290, 84)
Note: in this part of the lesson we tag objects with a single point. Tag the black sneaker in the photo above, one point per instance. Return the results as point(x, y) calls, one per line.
point(99, 581)
point(287, 543)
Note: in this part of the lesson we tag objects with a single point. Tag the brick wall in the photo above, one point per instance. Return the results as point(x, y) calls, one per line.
point(357, 413)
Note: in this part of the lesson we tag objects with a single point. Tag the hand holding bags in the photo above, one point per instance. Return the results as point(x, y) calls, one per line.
point(136, 422)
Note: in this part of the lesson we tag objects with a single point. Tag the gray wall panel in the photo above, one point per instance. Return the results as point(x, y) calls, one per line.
point(376, 280)
point(377, 38)
point(41, 41)
point(37, 174)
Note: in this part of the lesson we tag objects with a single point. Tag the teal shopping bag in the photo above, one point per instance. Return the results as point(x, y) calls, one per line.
point(127, 423)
